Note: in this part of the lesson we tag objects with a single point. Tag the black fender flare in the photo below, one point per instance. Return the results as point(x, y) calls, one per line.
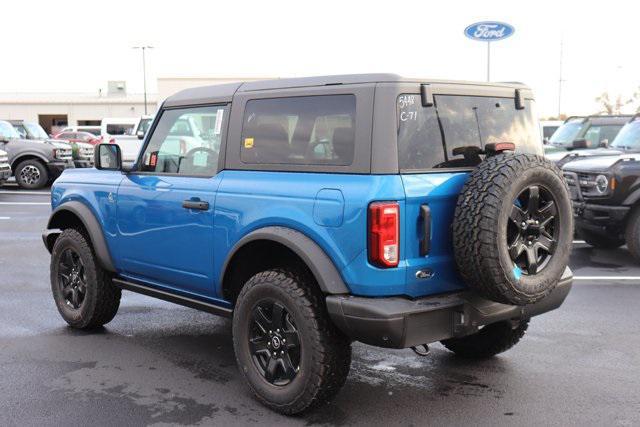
point(91, 224)
point(321, 266)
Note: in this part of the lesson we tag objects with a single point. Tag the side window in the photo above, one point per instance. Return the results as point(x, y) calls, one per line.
point(119, 129)
point(22, 131)
point(609, 133)
point(186, 141)
point(306, 130)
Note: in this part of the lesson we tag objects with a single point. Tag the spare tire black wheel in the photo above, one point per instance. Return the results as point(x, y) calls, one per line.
point(513, 228)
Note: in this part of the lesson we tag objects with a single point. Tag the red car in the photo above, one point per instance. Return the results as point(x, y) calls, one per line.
point(79, 137)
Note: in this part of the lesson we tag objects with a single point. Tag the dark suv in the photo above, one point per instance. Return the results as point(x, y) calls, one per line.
point(317, 211)
point(582, 136)
point(606, 193)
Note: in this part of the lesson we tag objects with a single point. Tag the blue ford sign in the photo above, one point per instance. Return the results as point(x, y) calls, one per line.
point(489, 31)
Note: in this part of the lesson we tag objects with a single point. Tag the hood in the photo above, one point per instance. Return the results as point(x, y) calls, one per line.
point(589, 152)
point(597, 164)
point(58, 143)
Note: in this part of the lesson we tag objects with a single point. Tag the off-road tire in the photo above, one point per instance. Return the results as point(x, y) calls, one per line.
point(325, 352)
point(598, 240)
point(42, 180)
point(102, 298)
point(480, 228)
point(488, 341)
point(632, 233)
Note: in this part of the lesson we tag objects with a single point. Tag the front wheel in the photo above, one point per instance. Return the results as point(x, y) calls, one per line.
point(31, 174)
point(288, 351)
point(83, 292)
point(488, 341)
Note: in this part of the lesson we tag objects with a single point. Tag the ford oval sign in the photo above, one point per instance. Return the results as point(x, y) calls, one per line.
point(489, 31)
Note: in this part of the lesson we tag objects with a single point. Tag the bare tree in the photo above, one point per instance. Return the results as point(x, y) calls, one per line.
point(614, 106)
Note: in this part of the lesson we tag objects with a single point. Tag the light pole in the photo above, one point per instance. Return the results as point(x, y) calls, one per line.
point(144, 72)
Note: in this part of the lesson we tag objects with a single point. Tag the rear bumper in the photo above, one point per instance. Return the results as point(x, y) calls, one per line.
point(398, 322)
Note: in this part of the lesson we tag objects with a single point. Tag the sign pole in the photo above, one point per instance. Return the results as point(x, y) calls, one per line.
point(488, 61)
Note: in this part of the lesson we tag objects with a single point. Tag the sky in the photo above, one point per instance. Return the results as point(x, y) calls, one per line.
point(76, 46)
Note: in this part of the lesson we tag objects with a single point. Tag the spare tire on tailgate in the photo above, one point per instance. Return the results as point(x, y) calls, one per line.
point(513, 228)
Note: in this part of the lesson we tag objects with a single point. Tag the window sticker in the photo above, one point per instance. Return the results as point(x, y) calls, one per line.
point(248, 143)
point(218, 126)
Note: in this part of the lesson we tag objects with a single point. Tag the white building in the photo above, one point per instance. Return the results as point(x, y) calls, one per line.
point(56, 110)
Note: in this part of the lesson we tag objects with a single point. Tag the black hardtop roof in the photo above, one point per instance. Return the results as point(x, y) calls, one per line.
point(198, 95)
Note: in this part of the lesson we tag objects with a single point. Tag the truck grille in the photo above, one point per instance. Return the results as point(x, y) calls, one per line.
point(86, 153)
point(4, 160)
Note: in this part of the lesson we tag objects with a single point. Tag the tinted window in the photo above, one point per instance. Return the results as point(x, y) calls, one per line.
point(186, 141)
point(119, 129)
point(452, 133)
point(547, 131)
point(566, 133)
point(309, 130)
point(629, 137)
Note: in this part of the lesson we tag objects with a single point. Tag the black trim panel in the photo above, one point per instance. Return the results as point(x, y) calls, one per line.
point(92, 226)
point(315, 258)
point(174, 298)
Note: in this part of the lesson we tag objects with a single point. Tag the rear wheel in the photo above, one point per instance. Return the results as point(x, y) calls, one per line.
point(488, 341)
point(84, 294)
point(31, 174)
point(290, 354)
point(598, 240)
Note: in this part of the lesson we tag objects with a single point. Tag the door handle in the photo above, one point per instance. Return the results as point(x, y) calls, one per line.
point(195, 204)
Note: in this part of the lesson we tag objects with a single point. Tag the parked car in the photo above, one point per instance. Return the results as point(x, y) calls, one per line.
point(317, 211)
point(82, 152)
point(581, 132)
point(606, 193)
point(34, 163)
point(5, 167)
point(548, 127)
point(607, 148)
point(94, 130)
point(130, 141)
point(85, 137)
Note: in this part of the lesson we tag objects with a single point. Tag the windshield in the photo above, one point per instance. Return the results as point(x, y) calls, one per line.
point(35, 131)
point(7, 131)
point(144, 125)
point(566, 133)
point(629, 137)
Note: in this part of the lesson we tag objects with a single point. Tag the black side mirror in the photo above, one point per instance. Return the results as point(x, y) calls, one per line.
point(108, 157)
point(545, 141)
point(140, 134)
point(580, 143)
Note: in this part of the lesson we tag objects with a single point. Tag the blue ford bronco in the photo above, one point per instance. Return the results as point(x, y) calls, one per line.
point(319, 211)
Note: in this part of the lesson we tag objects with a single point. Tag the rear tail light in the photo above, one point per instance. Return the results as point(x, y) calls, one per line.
point(384, 234)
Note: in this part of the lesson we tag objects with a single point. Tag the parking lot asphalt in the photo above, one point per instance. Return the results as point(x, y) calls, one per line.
point(158, 363)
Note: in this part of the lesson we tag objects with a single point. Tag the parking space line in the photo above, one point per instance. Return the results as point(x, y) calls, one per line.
point(5, 217)
point(614, 278)
point(25, 203)
point(579, 241)
point(35, 193)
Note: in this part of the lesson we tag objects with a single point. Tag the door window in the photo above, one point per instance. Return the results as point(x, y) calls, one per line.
point(186, 141)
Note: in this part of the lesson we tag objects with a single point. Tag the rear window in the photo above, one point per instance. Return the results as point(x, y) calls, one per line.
point(307, 130)
point(450, 134)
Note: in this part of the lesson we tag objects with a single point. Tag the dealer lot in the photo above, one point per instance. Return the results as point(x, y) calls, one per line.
point(157, 363)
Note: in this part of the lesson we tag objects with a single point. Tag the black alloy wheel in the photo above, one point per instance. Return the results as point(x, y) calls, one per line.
point(72, 278)
point(532, 229)
point(274, 343)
